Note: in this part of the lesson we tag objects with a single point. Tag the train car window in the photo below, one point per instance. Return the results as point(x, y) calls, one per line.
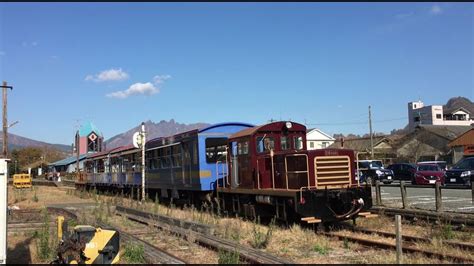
point(243, 148)
point(215, 149)
point(298, 143)
point(284, 143)
point(195, 153)
point(265, 144)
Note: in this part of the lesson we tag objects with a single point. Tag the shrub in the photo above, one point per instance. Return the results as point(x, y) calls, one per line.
point(43, 244)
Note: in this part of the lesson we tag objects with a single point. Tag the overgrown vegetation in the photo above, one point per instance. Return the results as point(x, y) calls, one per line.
point(321, 249)
point(45, 246)
point(228, 257)
point(259, 238)
point(134, 253)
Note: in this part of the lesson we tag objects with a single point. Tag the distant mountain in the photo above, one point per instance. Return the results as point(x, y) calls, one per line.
point(154, 130)
point(458, 102)
point(17, 142)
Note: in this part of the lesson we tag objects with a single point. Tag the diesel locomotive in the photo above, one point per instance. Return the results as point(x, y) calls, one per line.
point(254, 171)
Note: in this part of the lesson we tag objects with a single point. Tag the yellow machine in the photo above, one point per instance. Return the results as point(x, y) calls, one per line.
point(87, 245)
point(22, 181)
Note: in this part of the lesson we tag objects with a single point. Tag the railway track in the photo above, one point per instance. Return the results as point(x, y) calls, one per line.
point(407, 238)
point(407, 244)
point(153, 254)
point(448, 217)
point(207, 240)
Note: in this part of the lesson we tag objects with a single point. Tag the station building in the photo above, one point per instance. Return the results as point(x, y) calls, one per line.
point(88, 140)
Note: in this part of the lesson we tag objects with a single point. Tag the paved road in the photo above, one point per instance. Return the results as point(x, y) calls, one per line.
point(456, 200)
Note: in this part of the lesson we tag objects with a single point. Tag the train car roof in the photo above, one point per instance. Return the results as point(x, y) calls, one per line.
point(274, 126)
point(225, 124)
point(197, 131)
point(112, 151)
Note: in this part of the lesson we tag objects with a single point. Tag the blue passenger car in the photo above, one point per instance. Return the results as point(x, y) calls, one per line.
point(189, 161)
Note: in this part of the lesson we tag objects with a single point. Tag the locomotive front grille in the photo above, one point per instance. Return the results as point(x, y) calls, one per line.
point(332, 171)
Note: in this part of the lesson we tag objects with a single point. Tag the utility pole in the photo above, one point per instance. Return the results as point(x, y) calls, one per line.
point(371, 138)
point(143, 142)
point(77, 154)
point(5, 125)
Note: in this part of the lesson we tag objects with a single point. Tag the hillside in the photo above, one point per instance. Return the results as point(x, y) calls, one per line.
point(154, 130)
point(17, 142)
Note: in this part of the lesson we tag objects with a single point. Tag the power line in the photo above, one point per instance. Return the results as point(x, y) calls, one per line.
point(357, 122)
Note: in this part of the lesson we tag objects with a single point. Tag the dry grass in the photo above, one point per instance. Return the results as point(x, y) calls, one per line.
point(24, 198)
point(298, 244)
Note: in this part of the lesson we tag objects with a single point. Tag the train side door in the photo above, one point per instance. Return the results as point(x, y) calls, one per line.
point(235, 180)
point(187, 163)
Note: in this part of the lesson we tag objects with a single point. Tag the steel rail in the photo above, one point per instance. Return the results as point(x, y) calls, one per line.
point(462, 245)
point(246, 253)
point(405, 248)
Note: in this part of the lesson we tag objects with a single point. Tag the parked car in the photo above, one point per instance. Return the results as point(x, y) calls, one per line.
point(373, 170)
point(462, 173)
point(403, 171)
point(442, 164)
point(427, 174)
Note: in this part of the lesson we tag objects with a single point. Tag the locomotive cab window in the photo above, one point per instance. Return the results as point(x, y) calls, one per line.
point(243, 148)
point(265, 144)
point(284, 143)
point(216, 149)
point(298, 143)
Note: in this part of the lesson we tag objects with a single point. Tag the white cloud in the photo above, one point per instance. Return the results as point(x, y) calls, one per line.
point(108, 75)
point(436, 9)
point(136, 89)
point(159, 79)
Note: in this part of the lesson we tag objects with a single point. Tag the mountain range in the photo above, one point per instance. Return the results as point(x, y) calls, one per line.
point(167, 128)
point(154, 130)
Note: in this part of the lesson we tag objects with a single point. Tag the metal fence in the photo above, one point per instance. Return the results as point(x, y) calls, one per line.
point(403, 191)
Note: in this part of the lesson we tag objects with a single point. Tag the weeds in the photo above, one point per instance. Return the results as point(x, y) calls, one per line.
point(134, 253)
point(346, 243)
point(228, 257)
point(43, 244)
point(321, 249)
point(260, 239)
point(445, 232)
point(35, 197)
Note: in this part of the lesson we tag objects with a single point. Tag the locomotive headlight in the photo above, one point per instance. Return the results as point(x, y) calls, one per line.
point(465, 173)
point(288, 125)
point(378, 172)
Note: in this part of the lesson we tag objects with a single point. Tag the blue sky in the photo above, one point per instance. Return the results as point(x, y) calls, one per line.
point(118, 64)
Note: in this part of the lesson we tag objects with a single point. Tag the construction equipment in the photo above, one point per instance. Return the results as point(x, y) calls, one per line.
point(87, 245)
point(22, 181)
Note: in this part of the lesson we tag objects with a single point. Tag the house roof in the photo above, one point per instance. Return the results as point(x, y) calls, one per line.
point(360, 144)
point(447, 132)
point(68, 160)
point(309, 131)
point(467, 138)
point(87, 128)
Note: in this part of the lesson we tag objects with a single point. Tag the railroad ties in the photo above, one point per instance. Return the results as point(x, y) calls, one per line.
point(153, 254)
point(207, 240)
point(310, 220)
point(367, 215)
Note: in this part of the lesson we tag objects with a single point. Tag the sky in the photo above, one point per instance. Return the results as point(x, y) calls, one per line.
point(319, 64)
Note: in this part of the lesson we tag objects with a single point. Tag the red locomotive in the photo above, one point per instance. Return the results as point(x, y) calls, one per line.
point(271, 173)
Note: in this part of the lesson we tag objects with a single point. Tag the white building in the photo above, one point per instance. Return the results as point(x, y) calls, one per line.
point(316, 139)
point(419, 114)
